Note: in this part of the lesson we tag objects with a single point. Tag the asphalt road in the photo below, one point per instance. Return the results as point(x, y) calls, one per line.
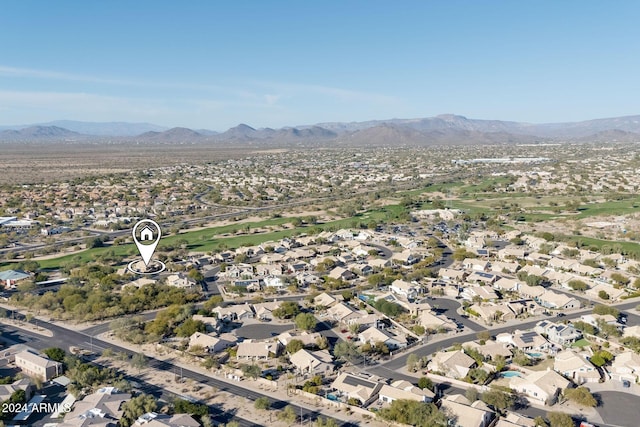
point(619, 409)
point(65, 338)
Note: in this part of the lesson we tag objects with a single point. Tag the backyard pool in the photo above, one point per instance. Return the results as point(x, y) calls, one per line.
point(332, 396)
point(510, 374)
point(535, 355)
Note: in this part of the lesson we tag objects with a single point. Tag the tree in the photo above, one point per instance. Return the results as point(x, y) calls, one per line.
point(497, 399)
point(287, 310)
point(190, 327)
point(55, 353)
point(412, 361)
point(322, 342)
point(305, 321)
point(196, 275)
point(213, 302)
point(605, 309)
point(139, 361)
point(620, 279)
point(472, 394)
point(252, 371)
point(288, 414)
point(425, 382)
point(354, 328)
point(603, 295)
point(477, 376)
point(346, 351)
point(578, 285)
point(500, 362)
point(294, 346)
point(601, 358)
point(582, 396)
point(262, 403)
point(414, 413)
point(325, 422)
point(483, 335)
point(560, 419)
point(136, 407)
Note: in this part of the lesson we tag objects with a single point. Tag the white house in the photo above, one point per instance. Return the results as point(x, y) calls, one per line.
point(405, 289)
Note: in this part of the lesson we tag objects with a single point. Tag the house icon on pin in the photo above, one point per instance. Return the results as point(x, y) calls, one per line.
point(146, 234)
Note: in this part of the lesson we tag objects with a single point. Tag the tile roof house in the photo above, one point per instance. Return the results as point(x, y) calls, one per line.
point(467, 414)
point(525, 341)
point(312, 362)
point(454, 364)
point(543, 386)
point(558, 333)
point(37, 366)
point(102, 408)
point(405, 289)
point(556, 300)
point(211, 344)
point(402, 389)
point(153, 419)
point(626, 366)
point(352, 386)
point(260, 350)
point(576, 367)
point(374, 335)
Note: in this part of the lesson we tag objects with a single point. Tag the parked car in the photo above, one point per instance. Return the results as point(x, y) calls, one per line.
point(626, 384)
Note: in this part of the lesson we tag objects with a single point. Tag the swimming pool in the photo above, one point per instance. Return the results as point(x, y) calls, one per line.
point(510, 374)
point(535, 355)
point(332, 396)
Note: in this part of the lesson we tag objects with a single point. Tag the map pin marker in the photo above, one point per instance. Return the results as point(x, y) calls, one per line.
point(147, 243)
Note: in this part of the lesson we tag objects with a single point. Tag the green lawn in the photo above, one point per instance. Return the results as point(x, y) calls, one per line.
point(581, 343)
point(210, 239)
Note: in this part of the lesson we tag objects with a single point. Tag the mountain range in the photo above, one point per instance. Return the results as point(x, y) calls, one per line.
point(440, 130)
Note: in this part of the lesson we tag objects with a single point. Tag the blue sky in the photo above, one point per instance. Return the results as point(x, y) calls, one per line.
point(214, 64)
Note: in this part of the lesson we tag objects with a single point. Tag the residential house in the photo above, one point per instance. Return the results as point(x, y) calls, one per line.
point(533, 292)
point(558, 333)
point(513, 419)
point(305, 279)
point(465, 413)
point(482, 277)
point(153, 419)
point(404, 390)
point(210, 343)
point(312, 362)
point(626, 366)
point(307, 339)
point(102, 408)
point(490, 313)
point(326, 300)
point(454, 364)
point(504, 267)
point(405, 258)
point(352, 386)
point(374, 335)
point(180, 280)
point(506, 284)
point(249, 285)
point(274, 282)
point(525, 341)
point(6, 390)
point(264, 310)
point(231, 313)
point(557, 301)
point(431, 321)
point(37, 366)
point(343, 313)
point(457, 276)
point(543, 386)
point(212, 323)
point(258, 350)
point(481, 292)
point(595, 320)
point(379, 263)
point(405, 289)
point(341, 273)
point(576, 367)
point(269, 269)
point(490, 349)
point(476, 264)
point(512, 252)
point(612, 293)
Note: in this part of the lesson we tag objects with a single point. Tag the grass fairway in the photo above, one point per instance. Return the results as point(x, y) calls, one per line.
point(210, 239)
